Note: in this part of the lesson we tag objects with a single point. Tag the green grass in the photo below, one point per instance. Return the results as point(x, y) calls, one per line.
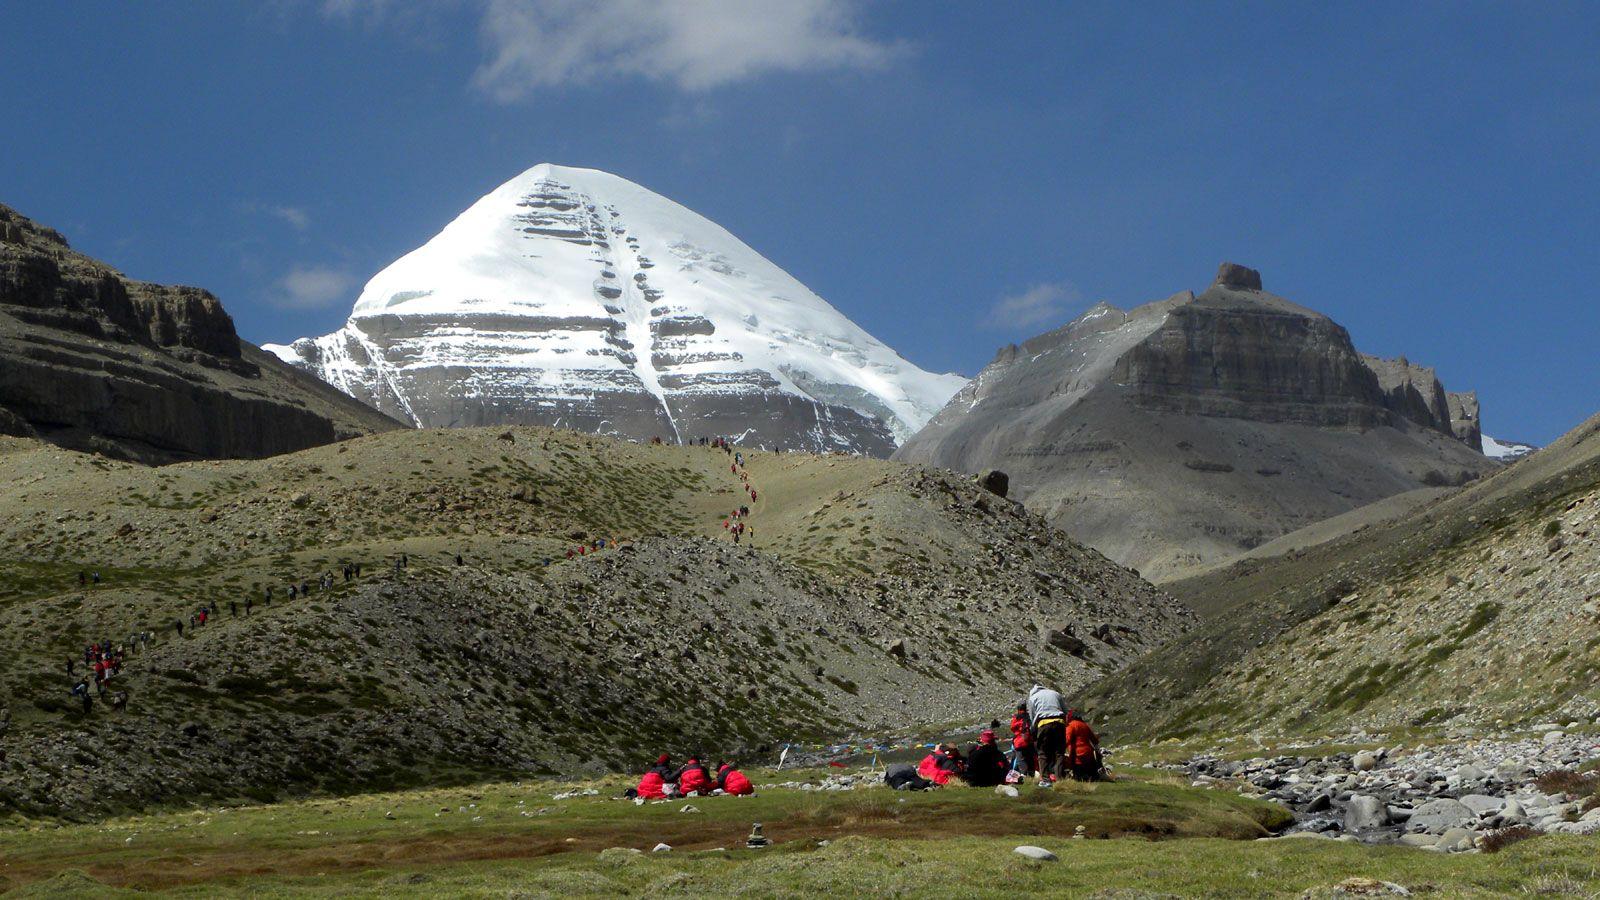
point(515, 840)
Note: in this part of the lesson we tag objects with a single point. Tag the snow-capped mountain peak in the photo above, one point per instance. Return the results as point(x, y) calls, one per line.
point(575, 297)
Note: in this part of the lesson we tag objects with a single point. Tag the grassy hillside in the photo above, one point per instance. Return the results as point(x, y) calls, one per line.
point(1479, 606)
point(869, 595)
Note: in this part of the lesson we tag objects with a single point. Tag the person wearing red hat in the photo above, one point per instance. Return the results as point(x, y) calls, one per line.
point(986, 763)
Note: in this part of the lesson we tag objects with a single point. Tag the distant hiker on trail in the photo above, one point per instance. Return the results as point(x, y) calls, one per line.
point(70, 664)
point(693, 778)
point(1047, 713)
point(459, 560)
point(986, 764)
point(179, 625)
point(732, 781)
point(653, 783)
point(1022, 741)
point(903, 777)
point(233, 608)
point(1083, 749)
point(83, 579)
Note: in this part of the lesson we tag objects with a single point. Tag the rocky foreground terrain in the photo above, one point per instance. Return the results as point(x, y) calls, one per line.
point(1185, 431)
point(1453, 795)
point(93, 360)
point(865, 595)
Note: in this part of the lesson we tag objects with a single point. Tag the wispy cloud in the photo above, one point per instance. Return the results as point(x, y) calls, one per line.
point(310, 287)
point(694, 45)
point(296, 216)
point(1046, 303)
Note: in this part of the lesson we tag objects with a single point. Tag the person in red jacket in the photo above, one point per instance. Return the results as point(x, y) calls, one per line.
point(732, 781)
point(941, 765)
point(1083, 749)
point(693, 777)
point(1022, 741)
point(653, 783)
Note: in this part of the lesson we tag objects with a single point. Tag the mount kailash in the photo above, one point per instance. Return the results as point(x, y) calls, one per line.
point(575, 298)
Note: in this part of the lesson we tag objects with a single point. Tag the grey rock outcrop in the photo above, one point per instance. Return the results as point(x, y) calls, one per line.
point(1191, 429)
point(92, 360)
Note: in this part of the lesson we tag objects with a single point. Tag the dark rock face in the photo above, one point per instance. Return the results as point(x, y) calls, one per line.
point(1190, 429)
point(94, 361)
point(1233, 275)
point(995, 482)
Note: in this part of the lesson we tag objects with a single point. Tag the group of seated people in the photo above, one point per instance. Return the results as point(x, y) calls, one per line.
point(663, 782)
point(1045, 740)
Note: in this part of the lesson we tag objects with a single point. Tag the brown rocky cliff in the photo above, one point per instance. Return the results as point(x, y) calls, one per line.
point(94, 361)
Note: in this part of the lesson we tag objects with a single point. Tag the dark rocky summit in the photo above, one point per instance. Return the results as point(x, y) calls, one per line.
point(92, 360)
point(1190, 429)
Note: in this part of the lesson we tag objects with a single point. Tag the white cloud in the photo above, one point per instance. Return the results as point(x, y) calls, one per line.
point(294, 215)
point(308, 287)
point(694, 45)
point(1047, 303)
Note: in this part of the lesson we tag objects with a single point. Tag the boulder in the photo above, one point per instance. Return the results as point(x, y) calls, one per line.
point(1038, 853)
point(995, 482)
point(1483, 804)
point(1455, 840)
point(1438, 816)
point(1006, 790)
point(1062, 639)
point(1365, 812)
point(896, 647)
point(1365, 761)
point(1550, 737)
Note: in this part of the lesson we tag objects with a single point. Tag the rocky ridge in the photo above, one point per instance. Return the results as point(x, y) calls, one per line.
point(1186, 430)
point(92, 360)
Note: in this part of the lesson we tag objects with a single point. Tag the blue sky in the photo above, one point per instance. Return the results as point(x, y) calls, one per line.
point(951, 177)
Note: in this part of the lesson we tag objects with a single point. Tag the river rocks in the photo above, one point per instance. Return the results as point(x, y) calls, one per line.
point(1365, 812)
point(1365, 761)
point(1437, 816)
point(1415, 796)
point(1551, 737)
point(1483, 805)
point(1455, 840)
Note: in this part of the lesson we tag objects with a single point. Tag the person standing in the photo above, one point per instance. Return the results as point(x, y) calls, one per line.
point(1083, 748)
